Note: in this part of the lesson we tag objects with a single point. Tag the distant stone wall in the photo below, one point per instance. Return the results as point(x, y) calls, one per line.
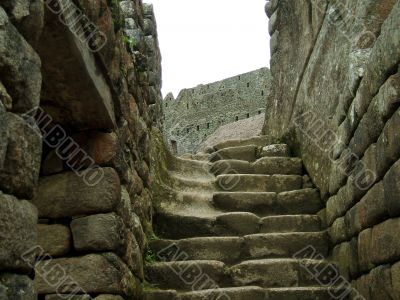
point(199, 111)
point(336, 101)
point(79, 94)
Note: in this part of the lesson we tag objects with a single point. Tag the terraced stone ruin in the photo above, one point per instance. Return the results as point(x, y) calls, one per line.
point(95, 205)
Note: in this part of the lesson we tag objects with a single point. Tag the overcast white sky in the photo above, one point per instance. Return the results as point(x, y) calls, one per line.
point(208, 40)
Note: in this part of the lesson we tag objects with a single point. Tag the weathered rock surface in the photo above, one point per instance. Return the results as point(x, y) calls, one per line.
point(16, 287)
point(20, 69)
point(58, 195)
point(20, 172)
point(104, 232)
point(93, 273)
point(18, 233)
point(55, 239)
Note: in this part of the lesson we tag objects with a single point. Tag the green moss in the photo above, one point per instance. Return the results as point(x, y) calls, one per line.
point(147, 286)
point(150, 257)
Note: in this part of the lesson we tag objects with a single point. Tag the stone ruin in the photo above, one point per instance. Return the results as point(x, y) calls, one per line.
point(93, 205)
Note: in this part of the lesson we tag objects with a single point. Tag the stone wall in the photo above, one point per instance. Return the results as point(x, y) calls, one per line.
point(199, 111)
point(79, 93)
point(336, 101)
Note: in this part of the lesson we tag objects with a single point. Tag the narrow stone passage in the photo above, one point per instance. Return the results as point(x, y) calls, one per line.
point(244, 224)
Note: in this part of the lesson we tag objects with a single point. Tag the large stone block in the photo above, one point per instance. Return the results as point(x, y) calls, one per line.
point(380, 282)
point(67, 195)
point(388, 147)
point(369, 211)
point(103, 232)
point(93, 274)
point(385, 242)
point(3, 134)
point(16, 287)
point(395, 273)
point(18, 233)
point(54, 239)
point(20, 70)
point(392, 190)
point(364, 250)
point(20, 172)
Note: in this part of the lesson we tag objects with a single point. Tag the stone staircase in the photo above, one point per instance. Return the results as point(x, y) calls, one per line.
point(238, 228)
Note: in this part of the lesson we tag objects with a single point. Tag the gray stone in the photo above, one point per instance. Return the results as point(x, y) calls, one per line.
point(104, 232)
point(16, 287)
point(57, 195)
point(21, 74)
point(20, 172)
point(93, 273)
point(55, 239)
point(392, 189)
point(275, 150)
point(19, 235)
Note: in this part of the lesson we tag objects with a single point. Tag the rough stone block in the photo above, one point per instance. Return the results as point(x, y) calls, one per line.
point(54, 239)
point(395, 273)
point(20, 172)
point(3, 135)
point(334, 209)
point(364, 250)
point(18, 233)
point(380, 282)
point(93, 273)
point(18, 287)
point(132, 256)
point(20, 70)
point(369, 211)
point(345, 255)
point(392, 190)
point(104, 232)
point(385, 242)
point(278, 150)
point(338, 231)
point(58, 195)
point(388, 147)
point(130, 219)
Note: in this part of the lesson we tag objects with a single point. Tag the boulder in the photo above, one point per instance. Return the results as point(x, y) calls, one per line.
point(54, 239)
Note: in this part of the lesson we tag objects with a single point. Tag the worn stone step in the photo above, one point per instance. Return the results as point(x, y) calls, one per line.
point(236, 293)
point(306, 293)
point(160, 295)
point(278, 272)
point(305, 201)
point(225, 249)
point(266, 165)
point(187, 275)
point(175, 226)
point(294, 223)
point(258, 141)
point(259, 183)
point(234, 249)
point(284, 244)
point(246, 153)
point(278, 165)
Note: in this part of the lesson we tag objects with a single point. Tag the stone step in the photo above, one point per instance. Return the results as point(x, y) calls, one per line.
point(277, 273)
point(235, 249)
point(246, 153)
point(259, 183)
point(251, 292)
point(267, 245)
point(293, 223)
point(176, 226)
point(258, 141)
point(187, 275)
point(304, 201)
point(306, 293)
point(214, 293)
point(236, 293)
point(266, 165)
